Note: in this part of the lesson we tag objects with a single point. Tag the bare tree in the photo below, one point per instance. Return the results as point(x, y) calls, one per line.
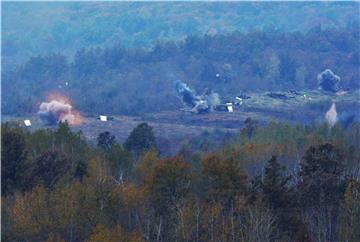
point(259, 224)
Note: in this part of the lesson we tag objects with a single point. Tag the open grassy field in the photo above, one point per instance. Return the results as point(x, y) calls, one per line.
point(172, 128)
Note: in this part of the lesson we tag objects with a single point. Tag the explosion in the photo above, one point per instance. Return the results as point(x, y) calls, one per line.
point(328, 81)
point(59, 109)
point(198, 103)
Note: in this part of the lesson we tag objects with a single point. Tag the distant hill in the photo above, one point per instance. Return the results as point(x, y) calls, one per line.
point(134, 81)
point(35, 28)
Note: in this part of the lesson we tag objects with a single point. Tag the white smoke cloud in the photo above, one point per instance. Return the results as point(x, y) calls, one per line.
point(331, 116)
point(198, 103)
point(213, 99)
point(58, 111)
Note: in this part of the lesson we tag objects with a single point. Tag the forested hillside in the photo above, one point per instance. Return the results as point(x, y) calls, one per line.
point(273, 183)
point(180, 121)
point(29, 29)
point(134, 81)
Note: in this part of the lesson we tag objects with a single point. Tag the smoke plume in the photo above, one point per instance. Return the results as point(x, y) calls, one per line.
point(187, 95)
point(331, 116)
point(198, 103)
point(58, 109)
point(328, 81)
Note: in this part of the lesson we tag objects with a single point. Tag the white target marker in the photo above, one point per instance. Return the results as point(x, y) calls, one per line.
point(230, 107)
point(27, 122)
point(103, 118)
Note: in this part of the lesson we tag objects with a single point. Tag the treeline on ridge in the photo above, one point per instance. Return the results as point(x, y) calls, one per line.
point(30, 29)
point(134, 81)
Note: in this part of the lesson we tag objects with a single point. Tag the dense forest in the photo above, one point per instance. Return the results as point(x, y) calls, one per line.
point(30, 29)
point(133, 81)
point(271, 183)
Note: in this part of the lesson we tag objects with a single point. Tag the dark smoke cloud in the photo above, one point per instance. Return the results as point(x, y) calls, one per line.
point(187, 95)
point(328, 81)
point(198, 103)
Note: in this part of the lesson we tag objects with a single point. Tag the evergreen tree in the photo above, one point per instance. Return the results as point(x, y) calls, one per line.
point(168, 184)
point(168, 188)
point(105, 140)
point(281, 199)
point(13, 159)
point(140, 139)
point(275, 184)
point(223, 179)
point(119, 161)
point(49, 168)
point(321, 174)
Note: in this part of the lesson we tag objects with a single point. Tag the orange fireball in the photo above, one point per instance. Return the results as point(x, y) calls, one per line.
point(58, 108)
